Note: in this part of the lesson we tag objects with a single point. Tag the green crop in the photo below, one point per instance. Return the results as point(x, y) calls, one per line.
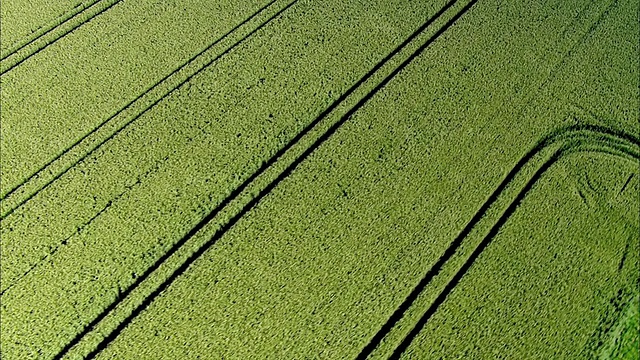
point(23, 21)
point(80, 81)
point(307, 179)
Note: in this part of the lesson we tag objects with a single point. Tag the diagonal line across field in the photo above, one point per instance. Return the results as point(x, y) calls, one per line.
point(47, 36)
point(289, 179)
point(128, 114)
point(97, 335)
point(203, 57)
point(22, 43)
point(580, 145)
point(565, 141)
point(57, 247)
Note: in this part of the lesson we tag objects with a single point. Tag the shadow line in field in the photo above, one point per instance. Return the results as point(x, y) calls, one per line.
point(104, 141)
point(96, 6)
point(54, 249)
point(21, 44)
point(572, 137)
point(573, 147)
point(87, 136)
point(262, 193)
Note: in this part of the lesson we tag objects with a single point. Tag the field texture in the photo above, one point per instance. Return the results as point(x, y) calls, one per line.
point(302, 179)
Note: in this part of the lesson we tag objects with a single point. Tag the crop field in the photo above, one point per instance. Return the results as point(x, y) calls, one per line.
point(302, 179)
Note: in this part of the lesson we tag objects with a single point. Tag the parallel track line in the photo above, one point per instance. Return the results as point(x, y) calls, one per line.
point(53, 34)
point(566, 149)
point(92, 144)
point(323, 137)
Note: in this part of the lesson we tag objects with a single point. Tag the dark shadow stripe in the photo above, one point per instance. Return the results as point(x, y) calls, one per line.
point(79, 229)
point(220, 232)
point(553, 138)
point(130, 103)
point(63, 34)
point(624, 187)
point(55, 178)
point(69, 16)
point(176, 246)
point(485, 242)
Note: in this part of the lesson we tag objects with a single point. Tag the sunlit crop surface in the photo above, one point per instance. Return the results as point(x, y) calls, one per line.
point(302, 179)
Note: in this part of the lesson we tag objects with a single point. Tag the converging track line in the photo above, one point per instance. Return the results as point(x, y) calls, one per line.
point(565, 150)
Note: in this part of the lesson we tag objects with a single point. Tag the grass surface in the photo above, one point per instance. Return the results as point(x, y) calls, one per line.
point(274, 179)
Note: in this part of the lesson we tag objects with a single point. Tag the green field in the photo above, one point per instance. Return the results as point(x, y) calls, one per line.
point(295, 179)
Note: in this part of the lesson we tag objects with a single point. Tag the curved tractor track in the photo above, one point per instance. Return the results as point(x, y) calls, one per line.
point(564, 141)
